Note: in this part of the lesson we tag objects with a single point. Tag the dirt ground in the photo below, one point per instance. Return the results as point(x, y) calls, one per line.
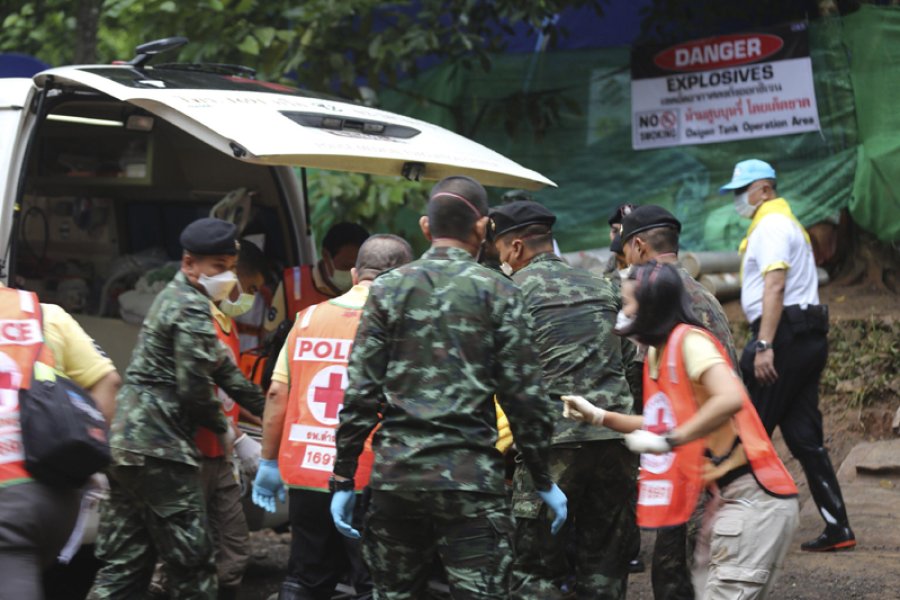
point(869, 572)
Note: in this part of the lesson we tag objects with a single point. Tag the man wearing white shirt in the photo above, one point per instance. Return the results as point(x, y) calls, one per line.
point(785, 358)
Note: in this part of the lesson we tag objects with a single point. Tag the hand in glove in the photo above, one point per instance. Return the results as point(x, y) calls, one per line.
point(267, 485)
point(578, 408)
point(342, 503)
point(247, 450)
point(642, 441)
point(558, 503)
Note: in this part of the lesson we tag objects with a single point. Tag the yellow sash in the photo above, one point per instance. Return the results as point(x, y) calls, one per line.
point(778, 206)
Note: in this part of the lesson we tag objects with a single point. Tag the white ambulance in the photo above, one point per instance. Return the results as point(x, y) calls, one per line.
point(101, 167)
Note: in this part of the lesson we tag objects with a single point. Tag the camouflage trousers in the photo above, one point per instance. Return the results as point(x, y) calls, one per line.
point(154, 510)
point(673, 558)
point(469, 531)
point(599, 481)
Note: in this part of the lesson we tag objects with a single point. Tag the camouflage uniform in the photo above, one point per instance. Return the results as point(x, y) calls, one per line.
point(156, 506)
point(572, 314)
point(673, 552)
point(438, 337)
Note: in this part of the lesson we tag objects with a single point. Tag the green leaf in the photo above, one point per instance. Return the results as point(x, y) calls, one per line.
point(265, 35)
point(249, 46)
point(168, 7)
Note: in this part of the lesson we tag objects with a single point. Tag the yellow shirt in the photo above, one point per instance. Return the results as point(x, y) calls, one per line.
point(75, 353)
point(699, 353)
point(355, 299)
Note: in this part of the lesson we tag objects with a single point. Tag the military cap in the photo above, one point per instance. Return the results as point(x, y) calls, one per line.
point(209, 236)
point(620, 213)
point(647, 217)
point(518, 214)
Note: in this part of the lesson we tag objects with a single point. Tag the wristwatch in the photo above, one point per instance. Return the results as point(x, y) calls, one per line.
point(340, 485)
point(763, 345)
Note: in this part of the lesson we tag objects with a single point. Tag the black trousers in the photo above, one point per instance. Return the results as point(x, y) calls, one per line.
point(320, 555)
point(792, 402)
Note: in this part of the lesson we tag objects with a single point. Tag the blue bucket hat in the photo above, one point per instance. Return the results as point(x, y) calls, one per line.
point(746, 172)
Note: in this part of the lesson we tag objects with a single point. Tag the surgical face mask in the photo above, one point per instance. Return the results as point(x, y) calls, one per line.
point(507, 270)
point(623, 321)
point(218, 287)
point(742, 205)
point(342, 280)
point(240, 306)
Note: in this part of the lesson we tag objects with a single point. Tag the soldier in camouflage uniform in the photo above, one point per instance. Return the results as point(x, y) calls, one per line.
point(571, 314)
point(651, 233)
point(438, 338)
point(156, 506)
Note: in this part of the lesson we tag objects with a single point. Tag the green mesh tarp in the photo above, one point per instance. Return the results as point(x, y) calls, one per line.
point(872, 36)
point(584, 143)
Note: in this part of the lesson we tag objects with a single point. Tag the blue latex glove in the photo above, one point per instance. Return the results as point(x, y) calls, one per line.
point(342, 503)
point(267, 485)
point(558, 503)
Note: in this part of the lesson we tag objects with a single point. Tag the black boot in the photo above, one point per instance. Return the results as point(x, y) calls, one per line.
point(826, 492)
point(833, 538)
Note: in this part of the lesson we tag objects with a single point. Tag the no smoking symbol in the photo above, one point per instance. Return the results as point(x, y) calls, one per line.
point(669, 120)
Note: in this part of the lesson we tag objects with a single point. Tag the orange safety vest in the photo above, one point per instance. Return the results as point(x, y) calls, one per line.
point(670, 484)
point(21, 345)
point(319, 346)
point(207, 441)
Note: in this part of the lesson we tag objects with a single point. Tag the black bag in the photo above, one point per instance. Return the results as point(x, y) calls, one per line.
point(63, 433)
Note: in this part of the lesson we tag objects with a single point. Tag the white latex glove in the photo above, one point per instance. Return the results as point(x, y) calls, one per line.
point(642, 441)
point(579, 408)
point(247, 450)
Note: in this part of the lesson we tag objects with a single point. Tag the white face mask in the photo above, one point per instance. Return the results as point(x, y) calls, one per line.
point(507, 270)
point(342, 280)
point(624, 273)
point(240, 306)
point(623, 321)
point(742, 205)
point(218, 287)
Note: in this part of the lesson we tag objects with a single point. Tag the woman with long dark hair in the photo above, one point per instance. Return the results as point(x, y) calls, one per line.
point(699, 429)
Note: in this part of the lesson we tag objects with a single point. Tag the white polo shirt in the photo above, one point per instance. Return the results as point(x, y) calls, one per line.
point(778, 242)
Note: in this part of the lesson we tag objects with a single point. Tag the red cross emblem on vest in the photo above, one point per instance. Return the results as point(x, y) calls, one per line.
point(332, 396)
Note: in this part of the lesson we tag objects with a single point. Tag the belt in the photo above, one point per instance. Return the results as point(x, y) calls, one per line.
point(813, 318)
point(732, 475)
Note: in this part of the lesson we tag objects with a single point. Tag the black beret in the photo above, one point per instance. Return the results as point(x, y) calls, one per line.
point(208, 237)
point(647, 217)
point(621, 211)
point(615, 246)
point(518, 214)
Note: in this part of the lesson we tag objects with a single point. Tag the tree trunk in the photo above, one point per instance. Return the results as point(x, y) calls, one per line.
point(87, 21)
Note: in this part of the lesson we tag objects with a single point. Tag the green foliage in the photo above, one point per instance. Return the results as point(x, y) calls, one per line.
point(380, 204)
point(864, 362)
point(321, 44)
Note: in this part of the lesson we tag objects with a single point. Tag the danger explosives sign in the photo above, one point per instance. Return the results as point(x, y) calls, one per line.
point(723, 88)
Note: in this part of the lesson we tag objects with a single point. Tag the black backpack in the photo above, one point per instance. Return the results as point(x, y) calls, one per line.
point(64, 434)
